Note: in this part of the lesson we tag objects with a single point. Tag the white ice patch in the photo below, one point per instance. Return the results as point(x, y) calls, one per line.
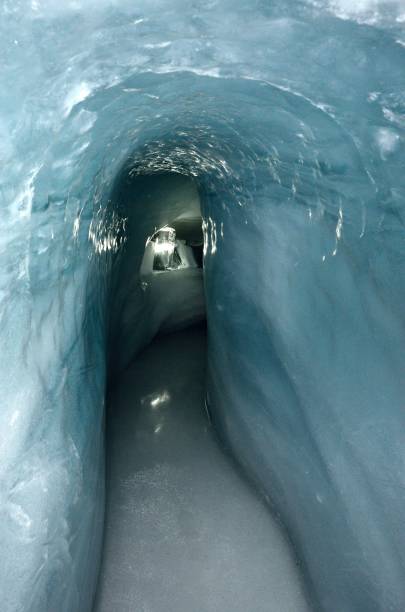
point(367, 11)
point(76, 95)
point(19, 516)
point(161, 45)
point(387, 140)
point(21, 205)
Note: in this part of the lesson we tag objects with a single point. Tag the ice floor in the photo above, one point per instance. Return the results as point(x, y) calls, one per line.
point(184, 531)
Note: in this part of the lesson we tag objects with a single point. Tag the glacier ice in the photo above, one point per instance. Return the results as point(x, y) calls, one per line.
point(290, 118)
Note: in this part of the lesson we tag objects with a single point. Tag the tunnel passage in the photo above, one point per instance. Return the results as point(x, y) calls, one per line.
point(264, 396)
point(153, 299)
point(301, 205)
point(183, 529)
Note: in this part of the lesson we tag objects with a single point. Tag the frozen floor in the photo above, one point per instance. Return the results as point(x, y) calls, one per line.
point(184, 531)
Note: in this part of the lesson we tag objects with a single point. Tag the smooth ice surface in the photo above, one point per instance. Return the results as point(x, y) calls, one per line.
point(289, 119)
point(184, 530)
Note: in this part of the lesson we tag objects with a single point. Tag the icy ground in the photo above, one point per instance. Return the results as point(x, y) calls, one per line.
point(184, 530)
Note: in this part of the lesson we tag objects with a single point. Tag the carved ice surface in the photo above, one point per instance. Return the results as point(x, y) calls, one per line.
point(290, 116)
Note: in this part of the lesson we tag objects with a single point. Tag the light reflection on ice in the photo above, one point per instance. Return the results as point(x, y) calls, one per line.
point(155, 400)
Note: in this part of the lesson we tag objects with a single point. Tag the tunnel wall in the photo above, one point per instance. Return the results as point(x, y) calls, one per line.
point(289, 118)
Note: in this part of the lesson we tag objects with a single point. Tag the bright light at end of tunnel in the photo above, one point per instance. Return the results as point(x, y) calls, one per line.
point(163, 247)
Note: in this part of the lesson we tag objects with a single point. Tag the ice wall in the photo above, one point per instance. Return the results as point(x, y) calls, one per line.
point(290, 117)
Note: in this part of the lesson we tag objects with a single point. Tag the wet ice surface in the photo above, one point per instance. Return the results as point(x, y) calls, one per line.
point(184, 531)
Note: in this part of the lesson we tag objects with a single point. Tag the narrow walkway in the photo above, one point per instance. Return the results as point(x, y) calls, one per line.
point(184, 531)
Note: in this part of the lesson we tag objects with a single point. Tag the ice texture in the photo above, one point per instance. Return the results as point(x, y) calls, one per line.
point(290, 118)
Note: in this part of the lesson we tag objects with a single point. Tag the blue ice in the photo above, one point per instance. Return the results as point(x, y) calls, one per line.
point(290, 120)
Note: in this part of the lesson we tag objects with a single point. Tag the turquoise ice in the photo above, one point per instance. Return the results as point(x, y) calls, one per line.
point(290, 118)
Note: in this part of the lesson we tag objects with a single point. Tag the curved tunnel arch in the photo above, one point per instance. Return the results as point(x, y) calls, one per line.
point(310, 340)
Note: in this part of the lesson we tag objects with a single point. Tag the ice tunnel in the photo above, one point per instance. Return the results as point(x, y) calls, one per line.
point(202, 306)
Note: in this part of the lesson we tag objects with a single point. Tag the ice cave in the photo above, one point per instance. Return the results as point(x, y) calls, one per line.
point(202, 306)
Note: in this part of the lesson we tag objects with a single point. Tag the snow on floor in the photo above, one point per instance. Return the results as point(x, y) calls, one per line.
point(184, 531)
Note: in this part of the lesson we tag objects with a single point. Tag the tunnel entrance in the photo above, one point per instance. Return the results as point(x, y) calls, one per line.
point(184, 530)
